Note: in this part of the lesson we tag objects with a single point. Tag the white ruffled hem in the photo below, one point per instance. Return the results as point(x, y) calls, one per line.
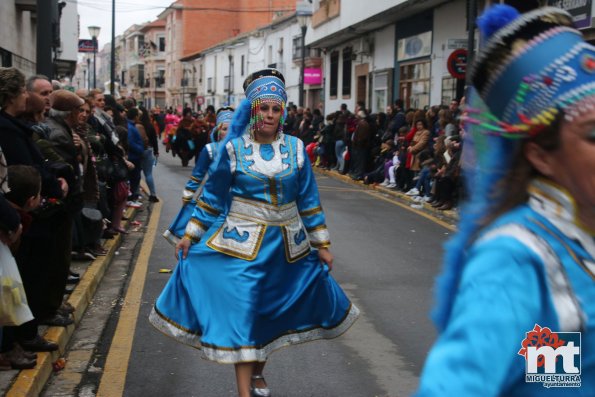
point(250, 354)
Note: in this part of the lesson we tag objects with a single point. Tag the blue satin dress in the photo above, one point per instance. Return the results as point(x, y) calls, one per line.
point(175, 231)
point(253, 283)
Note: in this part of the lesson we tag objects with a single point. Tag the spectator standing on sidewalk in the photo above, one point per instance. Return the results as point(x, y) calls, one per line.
point(32, 257)
point(360, 145)
point(151, 153)
point(520, 268)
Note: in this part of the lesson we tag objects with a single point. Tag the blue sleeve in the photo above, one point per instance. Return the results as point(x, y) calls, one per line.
point(213, 199)
point(499, 299)
point(135, 143)
point(198, 174)
point(308, 203)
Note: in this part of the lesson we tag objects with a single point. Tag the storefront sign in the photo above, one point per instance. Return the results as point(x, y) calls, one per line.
point(86, 45)
point(313, 76)
point(579, 9)
point(457, 63)
point(454, 44)
point(415, 46)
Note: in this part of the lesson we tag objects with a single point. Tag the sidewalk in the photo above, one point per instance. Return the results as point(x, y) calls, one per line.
point(30, 382)
point(450, 216)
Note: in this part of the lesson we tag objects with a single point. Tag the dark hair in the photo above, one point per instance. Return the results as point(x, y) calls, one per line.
point(11, 83)
point(343, 106)
point(228, 108)
point(399, 103)
point(24, 182)
point(188, 111)
point(517, 179)
point(145, 120)
point(132, 113)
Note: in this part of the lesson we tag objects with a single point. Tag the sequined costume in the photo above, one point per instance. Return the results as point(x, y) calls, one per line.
point(253, 283)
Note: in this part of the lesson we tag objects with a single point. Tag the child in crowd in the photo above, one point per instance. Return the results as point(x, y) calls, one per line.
point(24, 182)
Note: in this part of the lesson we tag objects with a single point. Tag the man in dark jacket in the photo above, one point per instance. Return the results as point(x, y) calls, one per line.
point(35, 250)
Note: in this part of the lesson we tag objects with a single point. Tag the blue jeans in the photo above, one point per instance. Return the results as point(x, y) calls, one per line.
point(148, 162)
point(339, 149)
point(424, 181)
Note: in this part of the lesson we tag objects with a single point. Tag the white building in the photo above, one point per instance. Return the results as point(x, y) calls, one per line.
point(276, 45)
point(378, 51)
point(18, 20)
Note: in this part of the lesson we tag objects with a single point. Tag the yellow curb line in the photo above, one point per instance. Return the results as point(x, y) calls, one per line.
point(427, 211)
point(30, 382)
point(113, 379)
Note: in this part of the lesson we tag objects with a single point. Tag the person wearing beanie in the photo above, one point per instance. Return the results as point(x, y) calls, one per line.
point(514, 304)
point(254, 261)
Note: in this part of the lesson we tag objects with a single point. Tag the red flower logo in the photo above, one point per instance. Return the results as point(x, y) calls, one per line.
point(540, 337)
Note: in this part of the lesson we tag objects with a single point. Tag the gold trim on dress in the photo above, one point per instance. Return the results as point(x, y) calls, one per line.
point(299, 255)
point(311, 211)
point(323, 244)
point(195, 179)
point(236, 254)
point(316, 228)
point(207, 208)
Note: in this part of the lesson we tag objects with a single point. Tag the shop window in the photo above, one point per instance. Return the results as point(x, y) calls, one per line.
point(380, 92)
point(414, 84)
point(346, 86)
point(449, 90)
point(334, 74)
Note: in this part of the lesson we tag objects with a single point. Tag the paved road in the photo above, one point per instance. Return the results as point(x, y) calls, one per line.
point(386, 259)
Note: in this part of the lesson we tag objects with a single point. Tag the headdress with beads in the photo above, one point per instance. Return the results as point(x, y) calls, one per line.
point(224, 115)
point(530, 68)
point(265, 85)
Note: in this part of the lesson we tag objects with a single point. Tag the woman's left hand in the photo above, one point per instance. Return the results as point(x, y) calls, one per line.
point(325, 256)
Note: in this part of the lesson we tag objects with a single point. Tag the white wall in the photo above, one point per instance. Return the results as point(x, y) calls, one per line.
point(445, 28)
point(352, 12)
point(17, 32)
point(384, 48)
point(333, 104)
point(69, 32)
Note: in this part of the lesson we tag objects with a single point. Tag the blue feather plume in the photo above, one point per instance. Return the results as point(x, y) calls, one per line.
point(495, 18)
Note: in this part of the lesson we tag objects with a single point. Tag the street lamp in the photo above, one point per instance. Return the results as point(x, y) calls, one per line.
point(229, 60)
point(302, 17)
point(94, 32)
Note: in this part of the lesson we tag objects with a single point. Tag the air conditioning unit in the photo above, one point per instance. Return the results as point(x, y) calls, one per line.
point(364, 46)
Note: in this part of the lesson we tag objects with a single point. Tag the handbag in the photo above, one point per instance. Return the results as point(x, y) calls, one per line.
point(14, 309)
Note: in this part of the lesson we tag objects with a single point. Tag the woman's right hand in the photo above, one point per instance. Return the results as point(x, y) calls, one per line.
point(184, 246)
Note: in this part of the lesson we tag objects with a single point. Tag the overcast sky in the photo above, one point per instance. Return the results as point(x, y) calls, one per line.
point(128, 12)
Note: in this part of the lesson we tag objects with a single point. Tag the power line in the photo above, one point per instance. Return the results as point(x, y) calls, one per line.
point(138, 7)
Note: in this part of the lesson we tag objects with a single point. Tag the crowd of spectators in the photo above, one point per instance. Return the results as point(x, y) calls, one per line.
point(69, 165)
point(416, 151)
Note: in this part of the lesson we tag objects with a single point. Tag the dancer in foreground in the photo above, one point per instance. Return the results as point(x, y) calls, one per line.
point(254, 276)
point(519, 275)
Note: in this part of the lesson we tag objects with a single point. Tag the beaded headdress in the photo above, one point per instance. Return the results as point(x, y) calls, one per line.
point(267, 85)
point(530, 68)
point(224, 115)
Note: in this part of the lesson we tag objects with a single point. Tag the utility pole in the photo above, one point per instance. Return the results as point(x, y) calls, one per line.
point(44, 64)
point(113, 51)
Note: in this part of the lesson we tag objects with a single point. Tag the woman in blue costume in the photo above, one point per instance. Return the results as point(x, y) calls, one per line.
point(519, 276)
point(253, 275)
point(175, 231)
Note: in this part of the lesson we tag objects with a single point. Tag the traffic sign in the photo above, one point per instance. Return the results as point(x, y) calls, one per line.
point(457, 63)
point(86, 45)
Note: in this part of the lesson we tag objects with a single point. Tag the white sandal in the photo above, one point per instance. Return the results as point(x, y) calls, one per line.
point(260, 392)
